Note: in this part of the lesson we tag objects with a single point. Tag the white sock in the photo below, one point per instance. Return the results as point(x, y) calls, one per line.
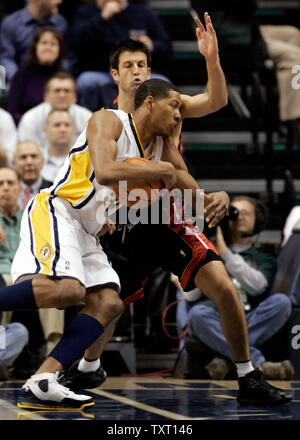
point(88, 366)
point(244, 368)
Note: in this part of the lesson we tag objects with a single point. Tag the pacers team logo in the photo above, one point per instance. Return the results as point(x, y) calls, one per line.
point(46, 252)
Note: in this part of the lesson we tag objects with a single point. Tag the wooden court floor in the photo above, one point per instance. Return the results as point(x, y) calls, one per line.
point(165, 400)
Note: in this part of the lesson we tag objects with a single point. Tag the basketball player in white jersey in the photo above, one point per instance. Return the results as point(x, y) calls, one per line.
point(59, 261)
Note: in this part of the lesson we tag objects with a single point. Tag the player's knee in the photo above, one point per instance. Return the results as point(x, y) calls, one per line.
point(227, 293)
point(105, 305)
point(78, 293)
point(114, 307)
point(70, 293)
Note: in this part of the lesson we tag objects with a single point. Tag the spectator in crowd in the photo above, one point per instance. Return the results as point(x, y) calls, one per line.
point(96, 29)
point(13, 339)
point(10, 218)
point(60, 132)
point(18, 30)
point(252, 272)
point(60, 93)
point(8, 134)
point(28, 162)
point(28, 83)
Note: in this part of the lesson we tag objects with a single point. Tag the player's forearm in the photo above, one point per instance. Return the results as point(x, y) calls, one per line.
point(116, 172)
point(216, 85)
point(214, 98)
point(194, 195)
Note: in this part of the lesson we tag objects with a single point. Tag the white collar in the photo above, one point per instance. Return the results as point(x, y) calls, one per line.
point(35, 186)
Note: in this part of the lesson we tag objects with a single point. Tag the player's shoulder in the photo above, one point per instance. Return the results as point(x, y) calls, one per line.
point(105, 119)
point(109, 113)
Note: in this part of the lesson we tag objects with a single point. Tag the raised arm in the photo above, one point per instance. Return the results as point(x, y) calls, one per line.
point(104, 129)
point(215, 96)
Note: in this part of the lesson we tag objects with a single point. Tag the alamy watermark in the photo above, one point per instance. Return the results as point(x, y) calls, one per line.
point(296, 78)
point(2, 338)
point(2, 78)
point(174, 206)
point(296, 338)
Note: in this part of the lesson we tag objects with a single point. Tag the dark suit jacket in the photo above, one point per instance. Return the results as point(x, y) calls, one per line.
point(45, 184)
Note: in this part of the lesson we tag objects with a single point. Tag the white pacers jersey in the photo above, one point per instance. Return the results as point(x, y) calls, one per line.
point(76, 183)
point(60, 224)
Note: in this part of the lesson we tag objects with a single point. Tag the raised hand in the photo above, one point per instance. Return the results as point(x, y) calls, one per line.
point(207, 39)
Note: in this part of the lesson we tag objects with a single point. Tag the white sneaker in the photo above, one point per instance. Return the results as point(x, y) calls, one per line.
point(42, 391)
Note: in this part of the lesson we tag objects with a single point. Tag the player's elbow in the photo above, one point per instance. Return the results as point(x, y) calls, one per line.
point(221, 102)
point(105, 180)
point(224, 100)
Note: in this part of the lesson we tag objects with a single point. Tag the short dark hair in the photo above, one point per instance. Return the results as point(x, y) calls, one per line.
point(60, 75)
point(157, 88)
point(130, 46)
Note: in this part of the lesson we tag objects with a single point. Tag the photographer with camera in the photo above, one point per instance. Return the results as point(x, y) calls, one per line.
point(252, 272)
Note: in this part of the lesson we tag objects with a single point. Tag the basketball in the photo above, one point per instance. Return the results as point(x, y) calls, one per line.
point(141, 195)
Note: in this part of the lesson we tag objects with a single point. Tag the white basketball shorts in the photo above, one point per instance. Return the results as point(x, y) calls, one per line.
point(53, 243)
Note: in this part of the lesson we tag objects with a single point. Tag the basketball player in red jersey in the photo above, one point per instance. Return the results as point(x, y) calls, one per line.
point(130, 67)
point(175, 247)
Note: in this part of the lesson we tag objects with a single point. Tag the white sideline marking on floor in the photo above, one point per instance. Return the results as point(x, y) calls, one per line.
point(145, 407)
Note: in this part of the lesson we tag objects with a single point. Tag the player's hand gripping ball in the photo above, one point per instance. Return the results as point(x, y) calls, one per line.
point(139, 196)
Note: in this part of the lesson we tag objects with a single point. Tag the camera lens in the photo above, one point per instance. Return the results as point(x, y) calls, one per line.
point(233, 213)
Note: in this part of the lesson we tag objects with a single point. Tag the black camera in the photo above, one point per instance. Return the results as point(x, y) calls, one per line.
point(233, 213)
point(261, 217)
